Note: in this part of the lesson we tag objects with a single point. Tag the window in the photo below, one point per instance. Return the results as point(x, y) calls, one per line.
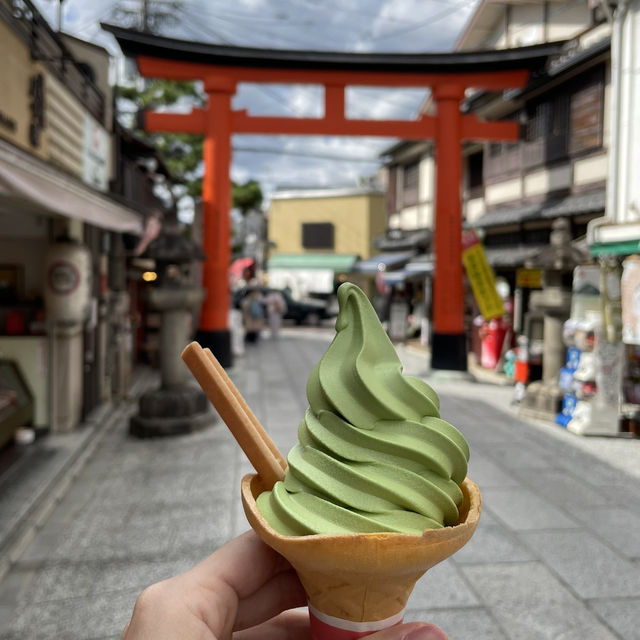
point(586, 113)
point(537, 119)
point(558, 134)
point(566, 122)
point(410, 181)
point(474, 172)
point(391, 189)
point(317, 235)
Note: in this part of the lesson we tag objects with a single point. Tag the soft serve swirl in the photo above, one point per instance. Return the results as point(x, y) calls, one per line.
point(373, 453)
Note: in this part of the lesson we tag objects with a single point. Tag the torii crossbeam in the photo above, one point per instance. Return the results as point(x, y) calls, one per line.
point(448, 75)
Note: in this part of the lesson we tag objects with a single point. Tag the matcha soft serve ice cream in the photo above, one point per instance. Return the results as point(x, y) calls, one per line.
point(373, 453)
point(374, 494)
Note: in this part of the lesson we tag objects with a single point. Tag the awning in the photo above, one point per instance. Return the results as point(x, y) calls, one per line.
point(339, 263)
point(421, 264)
point(608, 238)
point(382, 262)
point(417, 269)
point(621, 248)
point(401, 240)
point(29, 184)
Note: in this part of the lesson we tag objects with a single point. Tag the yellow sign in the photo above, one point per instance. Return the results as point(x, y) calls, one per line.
point(481, 277)
point(529, 278)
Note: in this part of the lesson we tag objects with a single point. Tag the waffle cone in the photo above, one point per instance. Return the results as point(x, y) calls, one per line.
point(369, 576)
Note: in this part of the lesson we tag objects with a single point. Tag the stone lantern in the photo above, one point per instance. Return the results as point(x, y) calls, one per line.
point(178, 406)
point(543, 398)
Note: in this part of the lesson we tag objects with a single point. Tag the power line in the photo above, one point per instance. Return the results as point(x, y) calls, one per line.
point(305, 154)
point(435, 17)
point(260, 35)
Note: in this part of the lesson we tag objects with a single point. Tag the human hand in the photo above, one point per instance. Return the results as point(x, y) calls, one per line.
point(245, 591)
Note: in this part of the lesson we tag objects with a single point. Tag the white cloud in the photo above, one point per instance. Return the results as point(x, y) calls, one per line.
point(341, 25)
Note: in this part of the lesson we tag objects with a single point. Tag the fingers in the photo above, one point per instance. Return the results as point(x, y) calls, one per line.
point(410, 631)
point(244, 564)
point(160, 613)
point(289, 625)
point(282, 592)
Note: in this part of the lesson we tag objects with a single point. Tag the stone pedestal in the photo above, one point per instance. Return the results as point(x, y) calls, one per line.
point(544, 399)
point(178, 406)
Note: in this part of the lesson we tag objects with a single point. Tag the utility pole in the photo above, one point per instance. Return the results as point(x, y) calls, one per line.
point(60, 15)
point(147, 16)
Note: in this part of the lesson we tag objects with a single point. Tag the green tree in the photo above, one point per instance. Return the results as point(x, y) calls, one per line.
point(247, 196)
point(181, 152)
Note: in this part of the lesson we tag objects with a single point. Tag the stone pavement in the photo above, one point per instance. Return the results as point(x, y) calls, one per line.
point(556, 554)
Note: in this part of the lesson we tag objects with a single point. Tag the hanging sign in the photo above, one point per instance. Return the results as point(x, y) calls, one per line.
point(529, 278)
point(480, 277)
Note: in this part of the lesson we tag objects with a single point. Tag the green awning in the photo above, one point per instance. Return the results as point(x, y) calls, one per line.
point(339, 263)
point(620, 248)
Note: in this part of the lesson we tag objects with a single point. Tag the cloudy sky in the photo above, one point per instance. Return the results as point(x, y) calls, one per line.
point(339, 25)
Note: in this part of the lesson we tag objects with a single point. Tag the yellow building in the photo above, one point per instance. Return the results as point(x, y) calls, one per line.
point(316, 235)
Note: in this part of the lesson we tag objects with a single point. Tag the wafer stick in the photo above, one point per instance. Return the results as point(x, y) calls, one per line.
point(243, 429)
point(247, 409)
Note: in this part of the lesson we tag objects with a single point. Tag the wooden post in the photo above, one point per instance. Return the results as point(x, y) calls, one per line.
point(213, 331)
point(448, 348)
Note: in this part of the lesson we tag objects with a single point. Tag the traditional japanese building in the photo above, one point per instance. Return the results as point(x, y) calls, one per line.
point(514, 190)
point(67, 222)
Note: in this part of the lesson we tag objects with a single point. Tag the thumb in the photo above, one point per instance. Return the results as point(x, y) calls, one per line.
point(410, 631)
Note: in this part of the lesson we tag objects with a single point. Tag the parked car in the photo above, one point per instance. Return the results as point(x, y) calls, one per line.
point(304, 311)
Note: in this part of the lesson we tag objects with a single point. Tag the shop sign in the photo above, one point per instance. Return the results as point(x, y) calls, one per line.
point(95, 153)
point(529, 278)
point(8, 123)
point(302, 282)
point(481, 277)
point(23, 94)
point(36, 109)
point(64, 277)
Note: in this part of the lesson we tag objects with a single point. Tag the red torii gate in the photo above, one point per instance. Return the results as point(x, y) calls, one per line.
point(221, 68)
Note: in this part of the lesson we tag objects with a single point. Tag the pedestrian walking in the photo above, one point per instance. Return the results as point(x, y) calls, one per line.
point(276, 308)
point(253, 314)
point(236, 326)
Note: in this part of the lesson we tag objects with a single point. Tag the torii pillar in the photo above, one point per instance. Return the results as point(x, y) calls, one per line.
point(213, 331)
point(448, 340)
point(448, 75)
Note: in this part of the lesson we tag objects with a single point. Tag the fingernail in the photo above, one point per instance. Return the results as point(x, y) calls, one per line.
point(425, 632)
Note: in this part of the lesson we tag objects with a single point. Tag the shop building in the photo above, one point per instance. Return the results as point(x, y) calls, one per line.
point(512, 192)
point(316, 236)
point(614, 239)
point(68, 221)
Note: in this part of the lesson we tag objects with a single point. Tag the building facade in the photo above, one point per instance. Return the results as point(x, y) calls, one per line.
point(317, 235)
point(512, 192)
point(68, 221)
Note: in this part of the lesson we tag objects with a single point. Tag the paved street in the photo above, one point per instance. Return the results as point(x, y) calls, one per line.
point(556, 554)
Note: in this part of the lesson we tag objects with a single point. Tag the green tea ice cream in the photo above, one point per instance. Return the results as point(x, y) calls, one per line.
point(373, 453)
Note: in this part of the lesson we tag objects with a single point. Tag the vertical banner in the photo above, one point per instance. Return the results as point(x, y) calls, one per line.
point(480, 277)
point(630, 293)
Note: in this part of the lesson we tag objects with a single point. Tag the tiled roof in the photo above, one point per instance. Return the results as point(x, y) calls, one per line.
point(572, 205)
point(508, 215)
point(511, 256)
